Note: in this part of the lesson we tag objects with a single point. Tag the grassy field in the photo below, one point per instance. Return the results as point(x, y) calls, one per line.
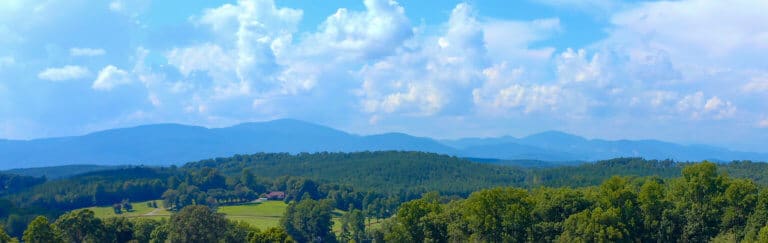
point(267, 214)
point(261, 215)
point(140, 209)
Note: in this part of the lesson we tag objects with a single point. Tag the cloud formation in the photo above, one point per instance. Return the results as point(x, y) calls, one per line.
point(68, 72)
point(380, 67)
point(110, 77)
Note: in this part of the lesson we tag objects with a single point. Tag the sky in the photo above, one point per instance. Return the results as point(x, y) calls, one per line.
point(690, 71)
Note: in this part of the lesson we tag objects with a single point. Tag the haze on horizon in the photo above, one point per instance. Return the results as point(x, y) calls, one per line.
point(688, 71)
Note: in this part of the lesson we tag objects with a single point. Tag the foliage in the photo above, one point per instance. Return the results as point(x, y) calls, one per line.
point(309, 221)
point(411, 172)
point(5, 238)
point(197, 224)
point(40, 231)
point(11, 183)
point(79, 226)
point(401, 197)
point(270, 235)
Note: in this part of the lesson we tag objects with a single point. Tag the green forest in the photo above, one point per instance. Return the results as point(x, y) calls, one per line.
point(395, 196)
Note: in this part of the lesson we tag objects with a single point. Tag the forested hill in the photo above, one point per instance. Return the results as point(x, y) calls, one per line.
point(384, 170)
point(376, 182)
point(429, 171)
point(389, 172)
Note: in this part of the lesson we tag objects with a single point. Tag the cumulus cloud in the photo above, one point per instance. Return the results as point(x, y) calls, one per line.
point(699, 106)
point(436, 74)
point(88, 52)
point(463, 69)
point(110, 77)
point(689, 61)
point(243, 61)
point(510, 91)
point(68, 72)
point(375, 32)
point(260, 30)
point(576, 66)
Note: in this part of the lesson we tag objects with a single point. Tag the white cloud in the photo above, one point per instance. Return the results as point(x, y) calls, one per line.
point(260, 31)
point(424, 99)
point(529, 98)
point(660, 98)
point(430, 78)
point(88, 52)
point(506, 91)
point(756, 84)
point(154, 100)
point(510, 40)
point(243, 58)
point(110, 77)
point(576, 66)
point(205, 57)
point(378, 31)
point(698, 106)
point(697, 32)
point(461, 69)
point(68, 72)
point(763, 123)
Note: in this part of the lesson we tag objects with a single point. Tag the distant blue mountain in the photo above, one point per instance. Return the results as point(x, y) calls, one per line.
point(559, 146)
point(165, 144)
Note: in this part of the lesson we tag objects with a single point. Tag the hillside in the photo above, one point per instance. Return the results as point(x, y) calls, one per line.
point(388, 171)
point(406, 174)
point(56, 172)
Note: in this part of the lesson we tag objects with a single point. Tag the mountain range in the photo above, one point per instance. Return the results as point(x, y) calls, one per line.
point(165, 144)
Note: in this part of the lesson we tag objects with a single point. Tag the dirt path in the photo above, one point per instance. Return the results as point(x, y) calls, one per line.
point(154, 212)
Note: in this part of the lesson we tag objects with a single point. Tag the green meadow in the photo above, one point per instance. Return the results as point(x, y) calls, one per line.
point(261, 215)
point(140, 209)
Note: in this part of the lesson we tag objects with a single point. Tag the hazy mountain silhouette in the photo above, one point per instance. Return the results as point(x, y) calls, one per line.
point(164, 144)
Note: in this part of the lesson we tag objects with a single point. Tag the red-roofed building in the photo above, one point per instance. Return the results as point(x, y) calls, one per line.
point(277, 195)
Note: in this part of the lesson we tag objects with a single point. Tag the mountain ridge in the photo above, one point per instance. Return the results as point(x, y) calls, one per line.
point(171, 143)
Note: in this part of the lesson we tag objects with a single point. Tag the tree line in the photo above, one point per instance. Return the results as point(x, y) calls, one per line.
point(372, 184)
point(702, 204)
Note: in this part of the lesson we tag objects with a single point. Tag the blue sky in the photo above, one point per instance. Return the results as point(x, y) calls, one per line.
point(683, 71)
